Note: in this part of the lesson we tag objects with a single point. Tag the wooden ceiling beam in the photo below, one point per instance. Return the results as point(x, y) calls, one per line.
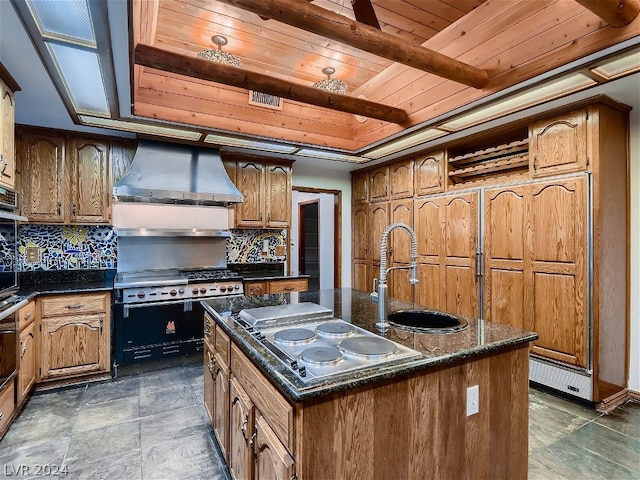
point(328, 24)
point(160, 59)
point(616, 13)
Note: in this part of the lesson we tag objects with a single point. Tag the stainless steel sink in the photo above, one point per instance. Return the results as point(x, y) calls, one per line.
point(427, 321)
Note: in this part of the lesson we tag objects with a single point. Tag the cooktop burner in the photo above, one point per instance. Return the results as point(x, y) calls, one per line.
point(368, 347)
point(294, 336)
point(321, 356)
point(335, 329)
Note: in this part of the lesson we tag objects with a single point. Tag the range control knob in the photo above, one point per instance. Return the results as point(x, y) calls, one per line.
point(230, 288)
point(294, 364)
point(141, 294)
point(302, 371)
point(181, 291)
point(194, 291)
point(173, 292)
point(203, 290)
point(237, 287)
point(223, 289)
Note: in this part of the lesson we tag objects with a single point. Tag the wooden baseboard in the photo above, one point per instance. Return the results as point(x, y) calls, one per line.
point(98, 377)
point(611, 403)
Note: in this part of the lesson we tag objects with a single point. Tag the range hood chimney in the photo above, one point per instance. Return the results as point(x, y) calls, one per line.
point(177, 174)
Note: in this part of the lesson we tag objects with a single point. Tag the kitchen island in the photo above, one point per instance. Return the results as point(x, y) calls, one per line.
point(404, 419)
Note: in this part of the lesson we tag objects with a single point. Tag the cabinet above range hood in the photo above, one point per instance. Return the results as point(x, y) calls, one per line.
point(177, 174)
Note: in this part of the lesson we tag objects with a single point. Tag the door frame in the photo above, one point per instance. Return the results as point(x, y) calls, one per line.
point(337, 230)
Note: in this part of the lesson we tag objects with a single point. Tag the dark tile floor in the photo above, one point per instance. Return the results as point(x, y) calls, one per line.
point(149, 423)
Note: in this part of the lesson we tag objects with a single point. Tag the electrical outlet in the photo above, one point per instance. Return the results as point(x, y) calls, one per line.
point(33, 255)
point(265, 245)
point(473, 400)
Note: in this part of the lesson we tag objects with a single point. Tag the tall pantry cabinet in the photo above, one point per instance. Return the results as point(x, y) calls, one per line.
point(528, 226)
point(8, 87)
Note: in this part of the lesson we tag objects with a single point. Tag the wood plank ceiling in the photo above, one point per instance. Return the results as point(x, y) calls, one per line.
point(511, 40)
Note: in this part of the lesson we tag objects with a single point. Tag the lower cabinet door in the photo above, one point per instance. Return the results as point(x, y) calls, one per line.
point(73, 346)
point(221, 405)
point(27, 371)
point(209, 364)
point(273, 462)
point(241, 427)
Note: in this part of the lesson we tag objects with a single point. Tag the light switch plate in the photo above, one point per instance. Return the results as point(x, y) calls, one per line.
point(473, 400)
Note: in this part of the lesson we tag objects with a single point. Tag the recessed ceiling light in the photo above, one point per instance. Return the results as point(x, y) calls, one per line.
point(518, 101)
point(252, 144)
point(619, 66)
point(139, 128)
point(405, 142)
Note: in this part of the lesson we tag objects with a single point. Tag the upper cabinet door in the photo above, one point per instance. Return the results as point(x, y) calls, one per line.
point(379, 184)
point(559, 145)
point(90, 195)
point(43, 178)
point(278, 201)
point(360, 188)
point(428, 174)
point(401, 179)
point(250, 178)
point(7, 133)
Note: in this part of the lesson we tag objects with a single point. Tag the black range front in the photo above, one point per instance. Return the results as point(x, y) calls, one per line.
point(159, 316)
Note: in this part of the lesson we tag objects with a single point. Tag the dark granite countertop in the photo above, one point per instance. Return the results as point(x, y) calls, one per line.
point(355, 307)
point(262, 271)
point(65, 281)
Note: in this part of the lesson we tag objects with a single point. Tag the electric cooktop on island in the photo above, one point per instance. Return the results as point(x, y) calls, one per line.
point(314, 345)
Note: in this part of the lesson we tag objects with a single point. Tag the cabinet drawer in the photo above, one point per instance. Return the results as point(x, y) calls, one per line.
point(269, 402)
point(7, 405)
point(256, 288)
point(209, 330)
point(26, 315)
point(222, 344)
point(286, 286)
point(74, 304)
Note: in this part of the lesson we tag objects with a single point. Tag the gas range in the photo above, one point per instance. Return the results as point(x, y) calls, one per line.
point(314, 345)
point(176, 285)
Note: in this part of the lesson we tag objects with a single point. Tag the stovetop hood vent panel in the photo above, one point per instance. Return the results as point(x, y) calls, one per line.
point(177, 174)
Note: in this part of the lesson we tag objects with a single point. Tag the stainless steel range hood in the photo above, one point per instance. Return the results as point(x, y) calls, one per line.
point(177, 174)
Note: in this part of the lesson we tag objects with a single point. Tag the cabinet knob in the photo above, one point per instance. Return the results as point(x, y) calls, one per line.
point(73, 209)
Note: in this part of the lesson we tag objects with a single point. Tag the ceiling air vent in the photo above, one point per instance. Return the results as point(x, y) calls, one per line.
point(265, 100)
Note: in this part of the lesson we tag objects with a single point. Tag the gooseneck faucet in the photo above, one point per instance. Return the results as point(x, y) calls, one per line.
point(381, 295)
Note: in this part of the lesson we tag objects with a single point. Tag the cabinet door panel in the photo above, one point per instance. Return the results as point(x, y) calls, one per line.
point(361, 280)
point(378, 221)
point(241, 426)
point(273, 462)
point(278, 201)
point(460, 226)
point(399, 239)
point(428, 290)
point(360, 230)
point(557, 252)
point(379, 184)
point(27, 372)
point(401, 179)
point(428, 174)
point(249, 176)
point(89, 181)
point(209, 366)
point(221, 405)
point(559, 144)
point(43, 159)
point(72, 345)
point(7, 137)
point(504, 240)
point(360, 188)
point(428, 229)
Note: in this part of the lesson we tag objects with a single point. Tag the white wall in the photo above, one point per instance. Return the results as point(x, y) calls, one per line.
point(330, 176)
point(325, 233)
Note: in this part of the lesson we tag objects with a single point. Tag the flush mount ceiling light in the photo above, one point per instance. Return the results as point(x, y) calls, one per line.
point(218, 55)
point(331, 84)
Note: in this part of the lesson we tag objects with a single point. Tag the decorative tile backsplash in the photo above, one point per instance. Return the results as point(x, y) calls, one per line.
point(246, 246)
point(66, 247)
point(69, 247)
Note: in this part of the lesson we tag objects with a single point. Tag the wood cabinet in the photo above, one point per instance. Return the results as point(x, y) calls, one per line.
point(209, 372)
point(273, 462)
point(27, 352)
point(241, 428)
point(379, 184)
point(401, 179)
point(429, 173)
point(360, 188)
point(8, 87)
point(536, 230)
point(73, 335)
point(559, 144)
point(7, 406)
point(267, 287)
point(67, 178)
point(266, 188)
